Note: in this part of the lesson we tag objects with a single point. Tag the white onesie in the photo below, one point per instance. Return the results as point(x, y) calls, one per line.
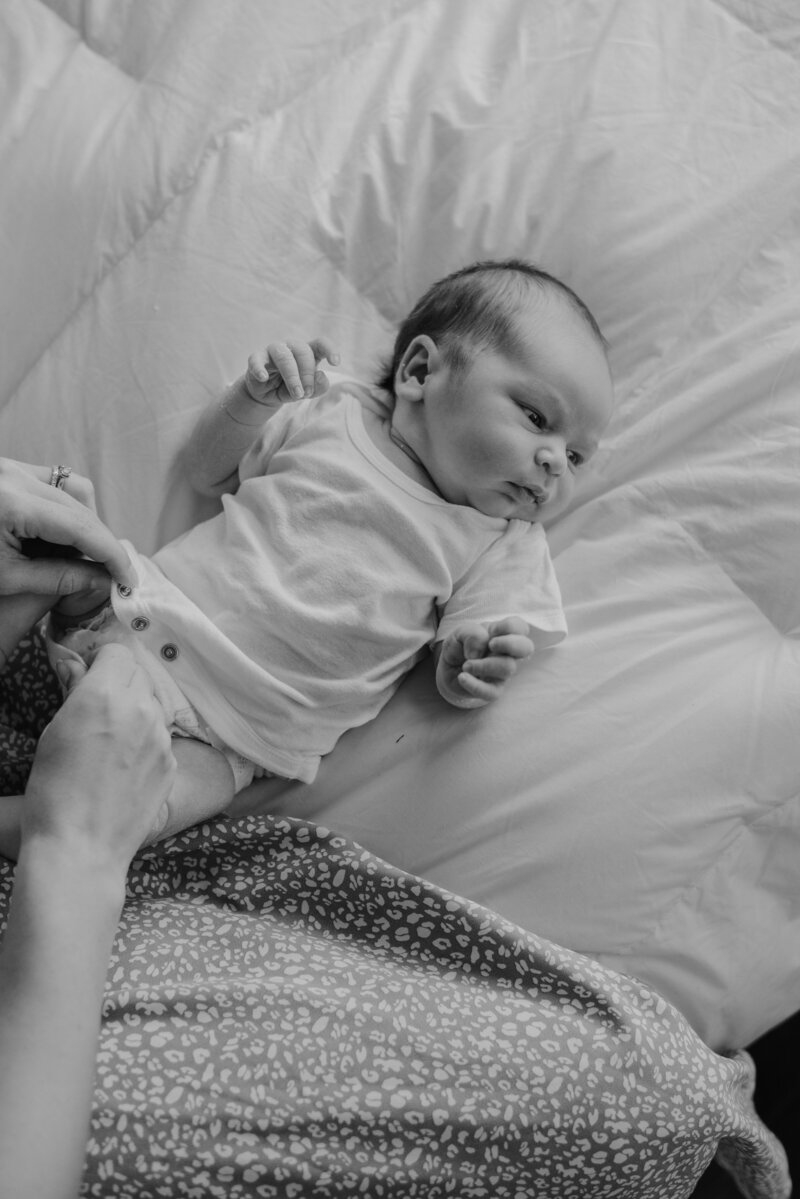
point(294, 614)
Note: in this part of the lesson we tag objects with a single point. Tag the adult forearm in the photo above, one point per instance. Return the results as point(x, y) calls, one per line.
point(222, 434)
point(53, 964)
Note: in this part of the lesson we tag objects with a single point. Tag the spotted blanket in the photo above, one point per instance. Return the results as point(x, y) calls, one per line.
point(29, 695)
point(288, 1015)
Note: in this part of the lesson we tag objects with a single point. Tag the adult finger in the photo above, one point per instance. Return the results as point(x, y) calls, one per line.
point(79, 487)
point(116, 665)
point(158, 825)
point(50, 514)
point(70, 672)
point(54, 576)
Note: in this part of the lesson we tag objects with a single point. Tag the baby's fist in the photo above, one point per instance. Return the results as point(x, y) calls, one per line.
point(476, 661)
point(287, 370)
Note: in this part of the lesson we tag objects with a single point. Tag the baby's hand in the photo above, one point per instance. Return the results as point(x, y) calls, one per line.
point(287, 370)
point(476, 661)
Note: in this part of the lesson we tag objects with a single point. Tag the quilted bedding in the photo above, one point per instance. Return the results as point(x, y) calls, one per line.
point(182, 181)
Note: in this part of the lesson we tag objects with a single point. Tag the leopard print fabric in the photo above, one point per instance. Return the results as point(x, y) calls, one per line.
point(286, 1015)
point(29, 695)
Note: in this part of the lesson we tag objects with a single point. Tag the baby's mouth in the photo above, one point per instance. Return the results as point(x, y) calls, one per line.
point(533, 495)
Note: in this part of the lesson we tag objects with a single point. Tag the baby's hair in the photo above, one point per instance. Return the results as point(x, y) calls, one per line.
point(478, 304)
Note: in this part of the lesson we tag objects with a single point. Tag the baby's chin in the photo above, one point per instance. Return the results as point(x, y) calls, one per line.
point(535, 512)
point(512, 503)
point(520, 505)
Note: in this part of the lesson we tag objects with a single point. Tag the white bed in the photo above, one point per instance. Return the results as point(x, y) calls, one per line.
point(181, 182)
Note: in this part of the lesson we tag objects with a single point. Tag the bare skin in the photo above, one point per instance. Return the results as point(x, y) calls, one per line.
point(103, 771)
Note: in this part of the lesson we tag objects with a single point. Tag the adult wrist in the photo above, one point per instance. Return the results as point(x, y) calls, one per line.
point(69, 864)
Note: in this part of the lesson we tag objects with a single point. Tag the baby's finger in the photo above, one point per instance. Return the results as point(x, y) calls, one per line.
point(491, 669)
point(321, 383)
point(258, 366)
point(475, 644)
point(453, 650)
point(480, 691)
point(323, 348)
point(509, 624)
point(513, 644)
point(282, 360)
point(306, 365)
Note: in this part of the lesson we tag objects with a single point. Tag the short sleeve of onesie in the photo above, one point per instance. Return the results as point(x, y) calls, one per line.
point(513, 577)
point(291, 415)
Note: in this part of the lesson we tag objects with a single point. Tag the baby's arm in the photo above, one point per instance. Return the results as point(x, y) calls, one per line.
point(475, 661)
point(284, 371)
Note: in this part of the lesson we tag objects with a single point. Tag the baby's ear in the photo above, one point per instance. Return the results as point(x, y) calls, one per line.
point(419, 359)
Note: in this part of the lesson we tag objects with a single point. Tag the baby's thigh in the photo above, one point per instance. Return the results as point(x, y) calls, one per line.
point(204, 786)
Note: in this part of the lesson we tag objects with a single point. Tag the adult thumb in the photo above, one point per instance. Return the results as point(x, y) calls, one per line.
point(70, 672)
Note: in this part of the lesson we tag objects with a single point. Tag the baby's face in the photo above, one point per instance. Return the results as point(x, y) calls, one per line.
point(510, 434)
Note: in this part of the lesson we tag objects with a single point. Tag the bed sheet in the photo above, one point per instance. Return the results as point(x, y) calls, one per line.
point(182, 181)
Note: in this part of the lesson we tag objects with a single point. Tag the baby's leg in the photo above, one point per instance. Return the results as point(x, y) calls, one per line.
point(204, 785)
point(80, 605)
point(203, 788)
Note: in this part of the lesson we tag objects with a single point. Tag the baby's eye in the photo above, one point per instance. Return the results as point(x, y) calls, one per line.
point(535, 417)
point(575, 459)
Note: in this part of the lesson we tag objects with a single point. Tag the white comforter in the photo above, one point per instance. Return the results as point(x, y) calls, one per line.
point(180, 182)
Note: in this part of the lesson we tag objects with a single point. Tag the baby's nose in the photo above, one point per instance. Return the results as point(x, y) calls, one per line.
point(551, 458)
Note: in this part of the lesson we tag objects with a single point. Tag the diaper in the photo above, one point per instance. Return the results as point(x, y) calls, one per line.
point(81, 644)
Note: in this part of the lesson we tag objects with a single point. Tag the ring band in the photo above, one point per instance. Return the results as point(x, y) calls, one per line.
point(59, 475)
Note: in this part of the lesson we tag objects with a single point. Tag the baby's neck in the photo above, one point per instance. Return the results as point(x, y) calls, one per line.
point(391, 443)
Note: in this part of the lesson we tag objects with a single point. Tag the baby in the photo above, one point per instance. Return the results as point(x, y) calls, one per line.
point(361, 526)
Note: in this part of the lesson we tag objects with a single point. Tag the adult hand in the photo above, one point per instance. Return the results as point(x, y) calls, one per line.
point(104, 767)
point(31, 508)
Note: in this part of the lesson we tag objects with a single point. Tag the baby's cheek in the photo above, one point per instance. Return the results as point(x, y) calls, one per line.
point(563, 495)
point(502, 451)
